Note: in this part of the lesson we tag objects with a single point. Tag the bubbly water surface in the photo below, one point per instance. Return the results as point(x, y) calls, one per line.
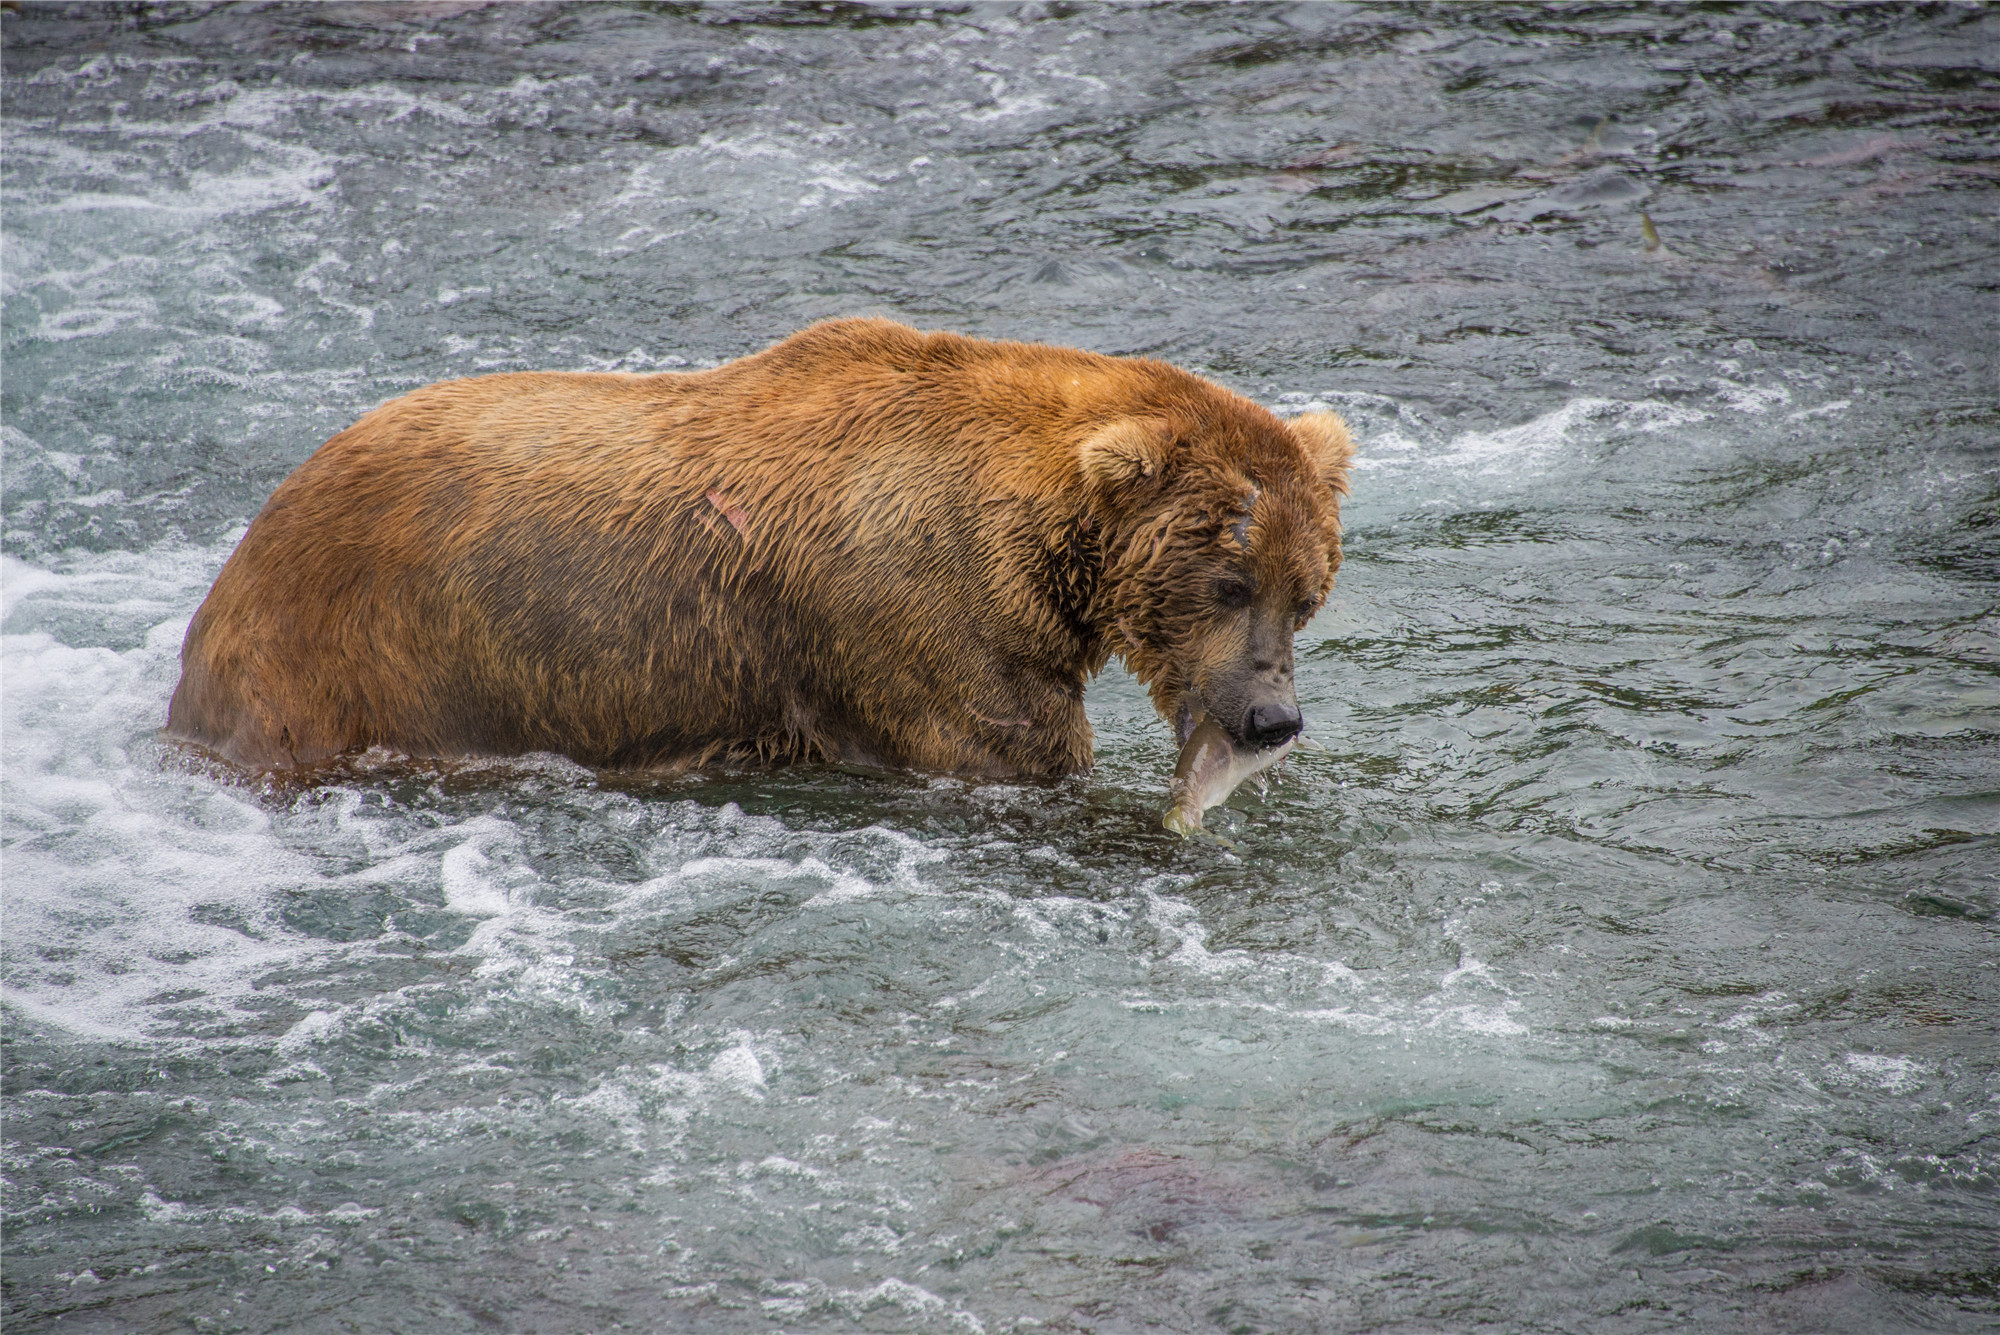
point(1626, 961)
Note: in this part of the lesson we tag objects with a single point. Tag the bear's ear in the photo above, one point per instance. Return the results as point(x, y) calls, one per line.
point(1123, 452)
point(1328, 446)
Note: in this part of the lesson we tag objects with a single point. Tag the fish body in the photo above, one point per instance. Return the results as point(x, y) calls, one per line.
point(1212, 766)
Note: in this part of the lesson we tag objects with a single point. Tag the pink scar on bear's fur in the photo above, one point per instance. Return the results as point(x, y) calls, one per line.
point(733, 513)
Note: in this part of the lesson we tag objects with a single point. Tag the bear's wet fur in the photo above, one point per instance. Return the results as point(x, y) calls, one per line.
point(865, 544)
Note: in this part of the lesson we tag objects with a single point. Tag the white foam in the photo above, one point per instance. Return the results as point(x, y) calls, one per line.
point(799, 1298)
point(1558, 429)
point(1348, 1017)
point(1748, 398)
point(1896, 1075)
point(1373, 1013)
point(18, 579)
point(162, 1211)
point(467, 873)
point(1470, 972)
point(1180, 922)
point(118, 877)
point(1391, 437)
point(283, 176)
point(314, 1028)
point(740, 1070)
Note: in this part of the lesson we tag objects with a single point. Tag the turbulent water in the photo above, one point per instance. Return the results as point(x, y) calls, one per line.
point(1626, 960)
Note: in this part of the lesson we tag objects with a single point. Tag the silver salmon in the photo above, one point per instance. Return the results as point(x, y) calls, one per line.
point(1211, 767)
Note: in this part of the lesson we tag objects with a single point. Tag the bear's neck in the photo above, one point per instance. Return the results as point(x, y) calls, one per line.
point(1070, 620)
point(1072, 570)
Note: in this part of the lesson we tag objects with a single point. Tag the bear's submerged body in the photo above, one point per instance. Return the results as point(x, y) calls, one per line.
point(864, 544)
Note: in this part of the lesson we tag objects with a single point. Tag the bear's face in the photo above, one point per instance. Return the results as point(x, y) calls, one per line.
point(1224, 538)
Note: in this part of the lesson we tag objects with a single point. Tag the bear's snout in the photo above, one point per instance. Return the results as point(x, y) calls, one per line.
point(1272, 724)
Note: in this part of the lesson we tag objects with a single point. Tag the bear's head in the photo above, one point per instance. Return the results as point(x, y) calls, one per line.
point(1221, 535)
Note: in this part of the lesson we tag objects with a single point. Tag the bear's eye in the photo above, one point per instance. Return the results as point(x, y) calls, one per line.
point(1306, 609)
point(1232, 593)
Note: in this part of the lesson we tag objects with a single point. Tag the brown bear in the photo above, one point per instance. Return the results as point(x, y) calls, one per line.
point(864, 544)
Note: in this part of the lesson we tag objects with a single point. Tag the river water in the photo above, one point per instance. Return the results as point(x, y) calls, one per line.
point(1625, 961)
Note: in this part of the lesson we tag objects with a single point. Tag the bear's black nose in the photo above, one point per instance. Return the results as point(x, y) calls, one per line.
point(1268, 725)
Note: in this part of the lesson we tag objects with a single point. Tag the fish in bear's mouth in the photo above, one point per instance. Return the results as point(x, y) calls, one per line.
point(1212, 765)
